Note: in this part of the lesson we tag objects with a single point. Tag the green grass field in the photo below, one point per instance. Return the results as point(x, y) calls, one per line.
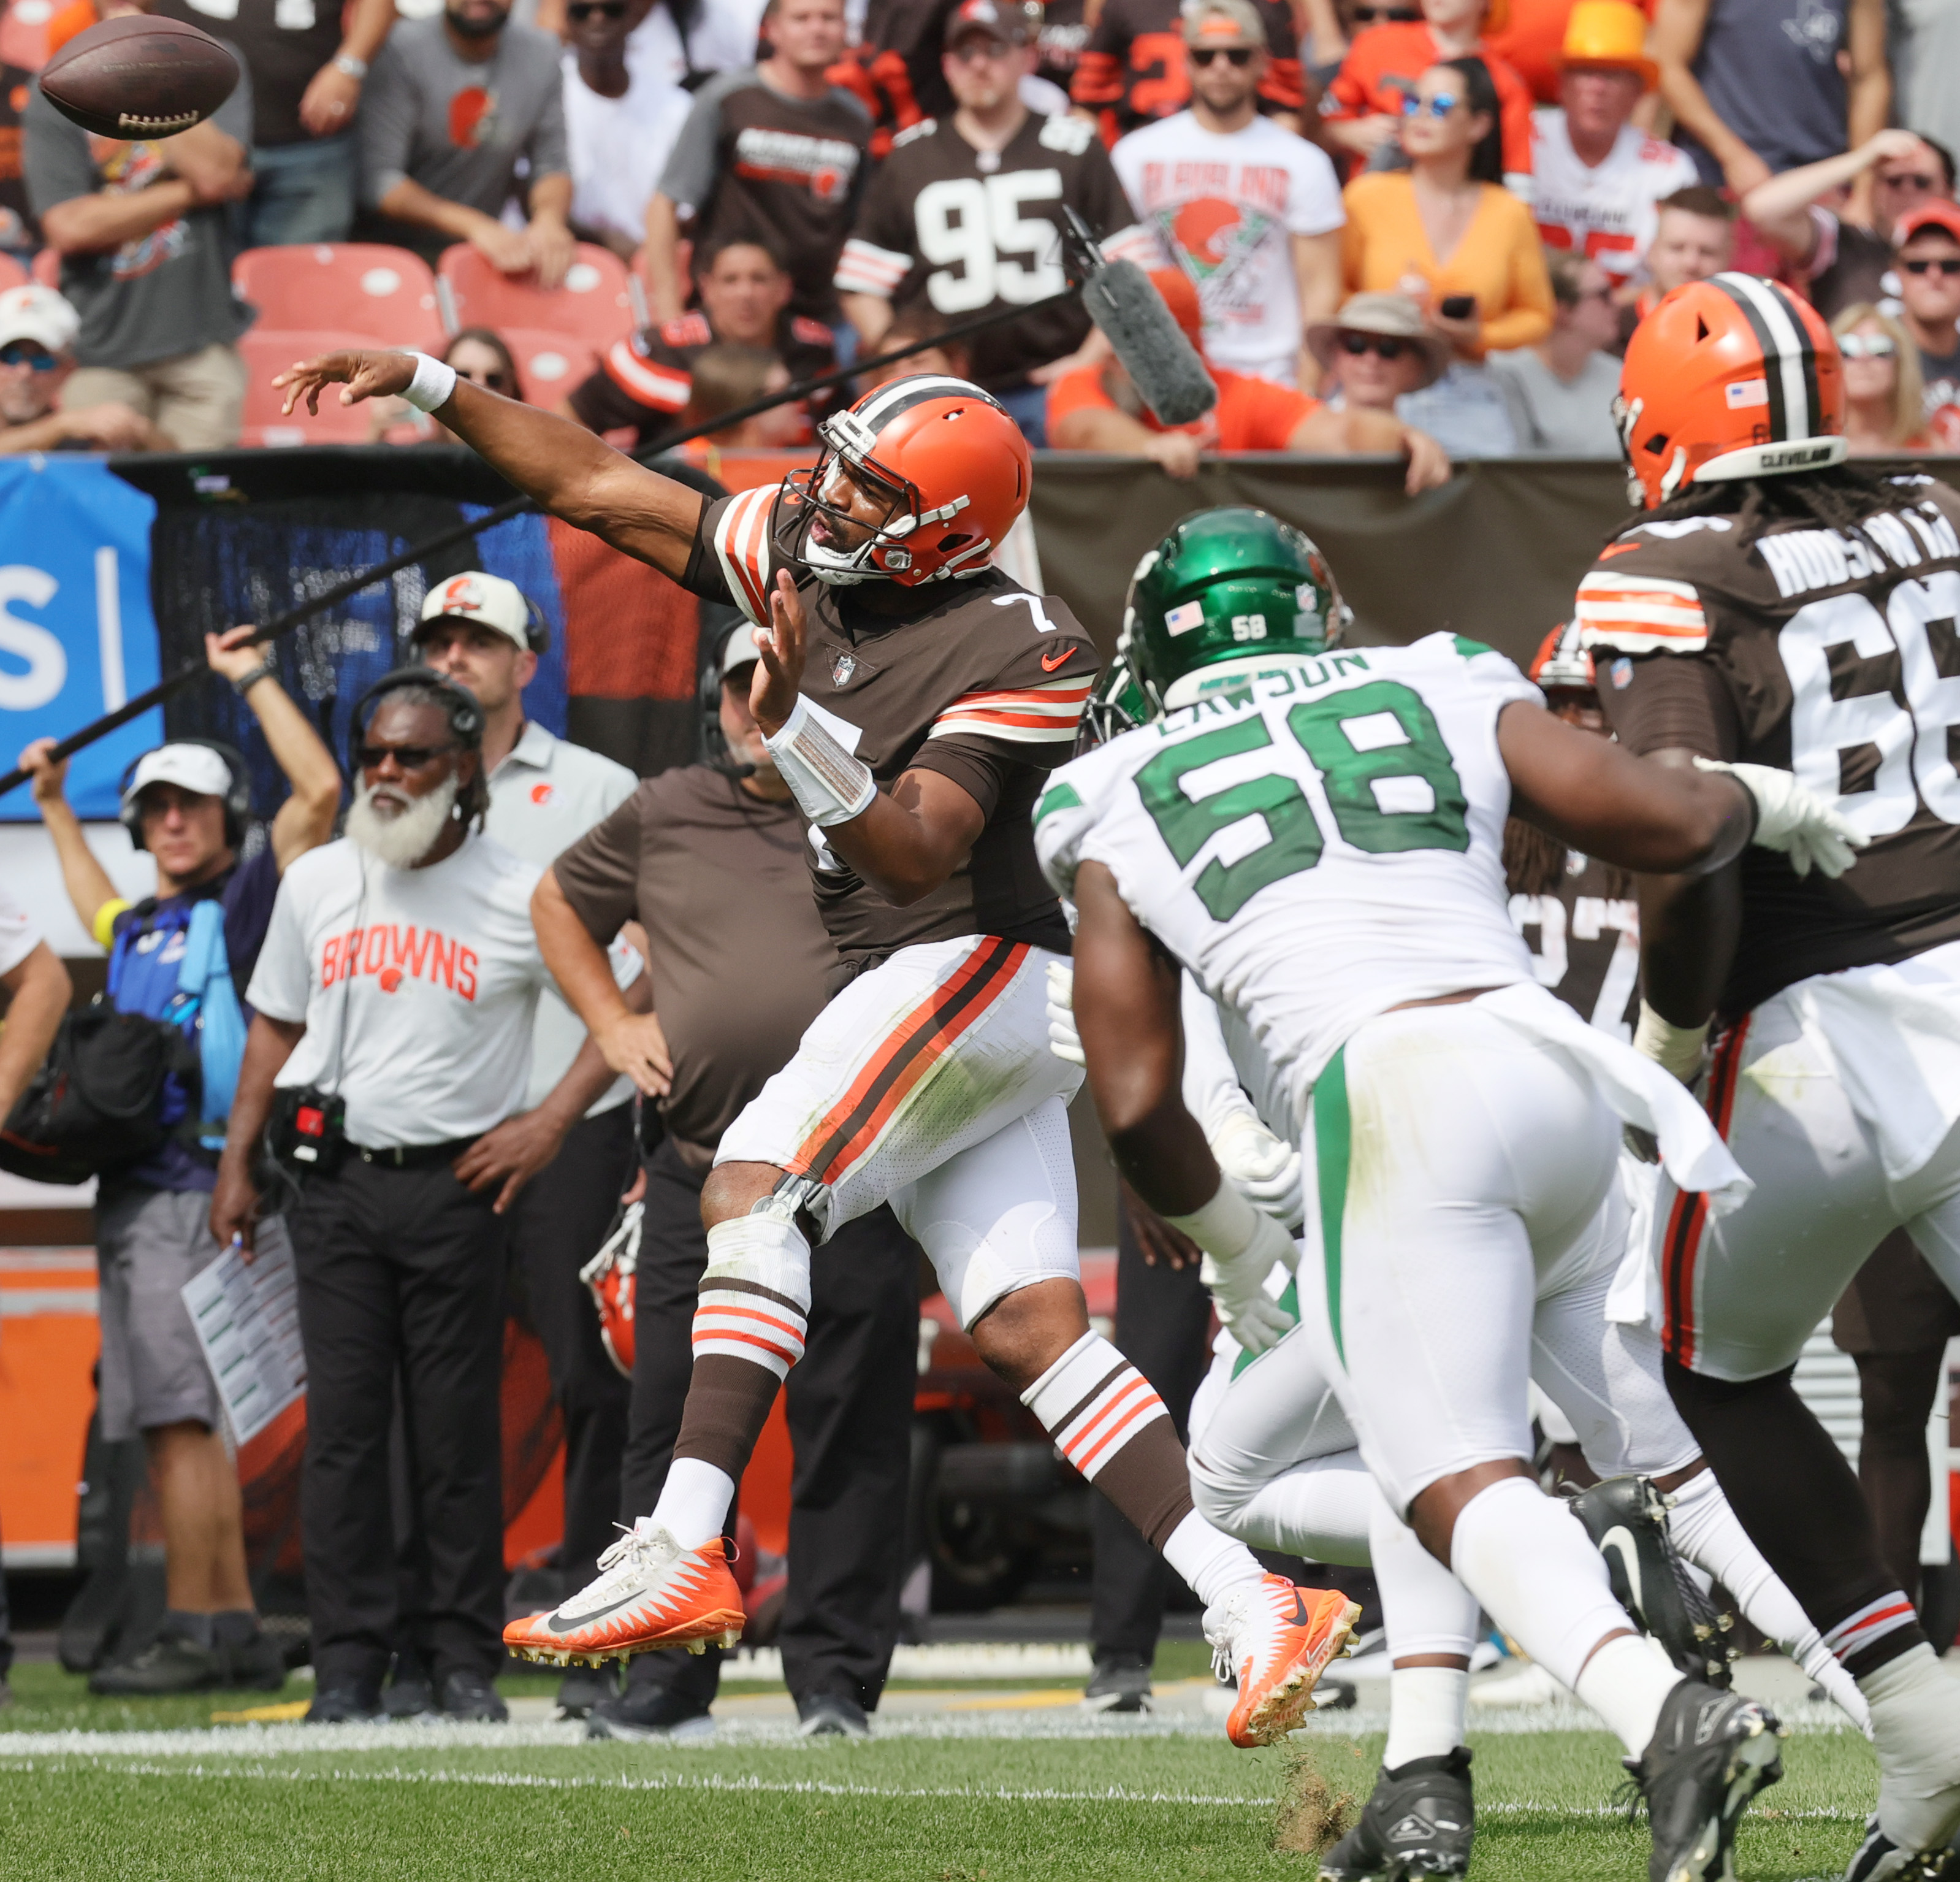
point(95, 1790)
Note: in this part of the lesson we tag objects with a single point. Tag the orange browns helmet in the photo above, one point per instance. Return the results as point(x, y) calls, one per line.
point(954, 466)
point(1732, 376)
point(1561, 664)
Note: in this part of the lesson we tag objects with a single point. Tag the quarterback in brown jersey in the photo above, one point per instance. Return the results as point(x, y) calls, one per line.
point(913, 697)
point(1777, 605)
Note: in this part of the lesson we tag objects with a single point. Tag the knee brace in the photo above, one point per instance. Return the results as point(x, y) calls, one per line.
point(754, 1301)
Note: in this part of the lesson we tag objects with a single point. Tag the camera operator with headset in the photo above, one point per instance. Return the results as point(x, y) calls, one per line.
point(710, 859)
point(395, 1000)
point(546, 793)
point(173, 957)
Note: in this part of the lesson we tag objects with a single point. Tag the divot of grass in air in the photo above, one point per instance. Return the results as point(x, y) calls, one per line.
point(1315, 1811)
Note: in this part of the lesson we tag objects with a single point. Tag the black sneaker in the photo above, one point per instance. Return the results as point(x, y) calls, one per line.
point(584, 1687)
point(644, 1713)
point(468, 1695)
point(1710, 1753)
point(169, 1664)
point(409, 1693)
point(345, 1705)
point(1122, 1683)
point(831, 1716)
point(1627, 1518)
point(1419, 1822)
point(256, 1665)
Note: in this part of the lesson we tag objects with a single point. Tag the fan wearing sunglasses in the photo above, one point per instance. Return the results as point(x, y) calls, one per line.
point(37, 332)
point(1884, 397)
point(1929, 281)
point(1834, 220)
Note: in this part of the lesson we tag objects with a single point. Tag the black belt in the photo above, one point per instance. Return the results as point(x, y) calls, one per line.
point(412, 1156)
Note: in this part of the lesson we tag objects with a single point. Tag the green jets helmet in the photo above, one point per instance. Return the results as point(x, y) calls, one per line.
point(1227, 595)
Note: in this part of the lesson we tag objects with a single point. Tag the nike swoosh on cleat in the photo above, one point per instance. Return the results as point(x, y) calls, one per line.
point(1300, 1615)
point(1621, 1542)
point(597, 1614)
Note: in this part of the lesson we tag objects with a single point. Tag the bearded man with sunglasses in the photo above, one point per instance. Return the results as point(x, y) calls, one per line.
point(914, 698)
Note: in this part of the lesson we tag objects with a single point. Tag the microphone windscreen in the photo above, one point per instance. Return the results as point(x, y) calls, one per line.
point(1163, 364)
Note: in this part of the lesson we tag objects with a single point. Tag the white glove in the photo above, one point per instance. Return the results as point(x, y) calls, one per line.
point(1063, 1040)
point(1795, 820)
point(1241, 1245)
point(1265, 1166)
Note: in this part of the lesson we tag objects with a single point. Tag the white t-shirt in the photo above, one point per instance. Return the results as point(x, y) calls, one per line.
point(1606, 214)
point(543, 798)
point(419, 988)
point(1223, 207)
point(19, 935)
point(722, 39)
point(618, 147)
point(1314, 848)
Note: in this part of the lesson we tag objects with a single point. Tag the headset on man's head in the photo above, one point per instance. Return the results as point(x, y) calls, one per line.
point(466, 716)
point(714, 740)
point(236, 800)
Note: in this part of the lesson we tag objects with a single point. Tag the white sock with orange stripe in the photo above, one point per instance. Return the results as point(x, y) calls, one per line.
point(1108, 1421)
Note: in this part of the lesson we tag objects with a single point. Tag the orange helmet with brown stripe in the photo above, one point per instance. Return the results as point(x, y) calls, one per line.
point(950, 468)
point(1562, 664)
point(1732, 376)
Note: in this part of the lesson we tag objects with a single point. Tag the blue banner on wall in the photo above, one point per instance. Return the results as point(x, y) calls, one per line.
point(77, 635)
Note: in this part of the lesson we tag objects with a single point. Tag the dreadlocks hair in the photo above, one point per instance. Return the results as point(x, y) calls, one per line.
point(1838, 498)
point(1535, 864)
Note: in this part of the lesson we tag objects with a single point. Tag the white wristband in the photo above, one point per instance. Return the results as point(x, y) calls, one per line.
point(830, 785)
point(432, 385)
point(1676, 1049)
point(1225, 1227)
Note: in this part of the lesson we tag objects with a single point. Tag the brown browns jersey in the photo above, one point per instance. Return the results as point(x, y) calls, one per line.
point(1584, 933)
point(788, 172)
point(1831, 654)
point(1133, 70)
point(969, 230)
point(644, 380)
point(977, 679)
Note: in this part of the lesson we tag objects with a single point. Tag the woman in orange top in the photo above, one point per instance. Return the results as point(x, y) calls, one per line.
point(1447, 233)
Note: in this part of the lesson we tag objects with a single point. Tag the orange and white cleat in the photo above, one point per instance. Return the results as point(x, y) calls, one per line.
point(650, 1593)
point(1278, 1640)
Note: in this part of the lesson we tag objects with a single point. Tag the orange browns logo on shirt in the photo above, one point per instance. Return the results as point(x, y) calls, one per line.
point(472, 117)
point(392, 953)
point(543, 793)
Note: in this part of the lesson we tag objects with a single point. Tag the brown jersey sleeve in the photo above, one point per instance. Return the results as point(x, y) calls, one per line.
point(599, 874)
point(734, 559)
point(1661, 702)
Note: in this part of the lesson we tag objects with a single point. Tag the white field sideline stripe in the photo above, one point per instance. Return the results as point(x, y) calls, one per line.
point(812, 1787)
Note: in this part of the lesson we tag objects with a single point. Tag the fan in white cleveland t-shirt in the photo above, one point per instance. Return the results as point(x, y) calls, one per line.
point(1228, 209)
point(1606, 213)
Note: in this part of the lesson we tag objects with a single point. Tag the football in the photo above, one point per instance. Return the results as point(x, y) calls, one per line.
point(137, 76)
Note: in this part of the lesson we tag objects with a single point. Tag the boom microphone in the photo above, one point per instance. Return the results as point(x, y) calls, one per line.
point(1163, 364)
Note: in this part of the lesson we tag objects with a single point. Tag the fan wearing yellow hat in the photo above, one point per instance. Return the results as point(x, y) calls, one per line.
point(1596, 176)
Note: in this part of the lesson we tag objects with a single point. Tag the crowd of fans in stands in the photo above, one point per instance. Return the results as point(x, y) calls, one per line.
point(1392, 226)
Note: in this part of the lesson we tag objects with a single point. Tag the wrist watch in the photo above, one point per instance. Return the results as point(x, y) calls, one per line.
point(347, 63)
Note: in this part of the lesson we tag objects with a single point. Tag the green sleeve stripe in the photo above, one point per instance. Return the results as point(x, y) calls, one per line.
point(1470, 649)
point(1330, 1135)
point(1062, 797)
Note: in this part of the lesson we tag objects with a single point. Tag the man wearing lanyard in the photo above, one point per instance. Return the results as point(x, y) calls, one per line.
point(546, 793)
point(710, 859)
point(395, 999)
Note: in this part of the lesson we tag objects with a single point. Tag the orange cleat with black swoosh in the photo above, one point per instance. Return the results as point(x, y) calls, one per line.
point(650, 1593)
point(1278, 1640)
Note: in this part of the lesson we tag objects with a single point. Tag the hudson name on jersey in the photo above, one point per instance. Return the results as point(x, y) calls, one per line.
point(1832, 653)
point(1348, 816)
point(975, 679)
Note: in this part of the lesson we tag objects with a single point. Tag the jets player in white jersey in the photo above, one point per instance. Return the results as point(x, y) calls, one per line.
point(1319, 847)
point(1273, 1456)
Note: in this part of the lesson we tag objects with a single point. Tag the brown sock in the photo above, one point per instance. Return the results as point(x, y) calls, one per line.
point(728, 1402)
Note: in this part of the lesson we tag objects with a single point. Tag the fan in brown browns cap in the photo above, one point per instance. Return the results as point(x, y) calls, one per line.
point(137, 76)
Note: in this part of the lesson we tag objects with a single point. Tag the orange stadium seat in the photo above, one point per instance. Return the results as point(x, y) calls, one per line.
point(387, 294)
point(12, 274)
point(598, 302)
point(270, 351)
point(549, 365)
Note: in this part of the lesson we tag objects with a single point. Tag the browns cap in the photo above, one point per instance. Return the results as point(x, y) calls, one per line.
point(1939, 215)
point(1222, 23)
point(1012, 22)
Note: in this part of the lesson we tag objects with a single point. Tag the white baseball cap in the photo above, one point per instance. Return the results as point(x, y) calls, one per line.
point(34, 312)
point(739, 650)
point(488, 601)
point(189, 767)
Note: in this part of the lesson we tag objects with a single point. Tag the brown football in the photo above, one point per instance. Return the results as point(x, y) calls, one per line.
point(136, 76)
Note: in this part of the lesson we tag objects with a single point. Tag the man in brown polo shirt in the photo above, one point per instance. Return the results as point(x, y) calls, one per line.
point(710, 859)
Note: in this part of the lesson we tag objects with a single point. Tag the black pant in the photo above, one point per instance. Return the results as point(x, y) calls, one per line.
point(1163, 1315)
point(401, 1278)
point(556, 1225)
point(849, 1417)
